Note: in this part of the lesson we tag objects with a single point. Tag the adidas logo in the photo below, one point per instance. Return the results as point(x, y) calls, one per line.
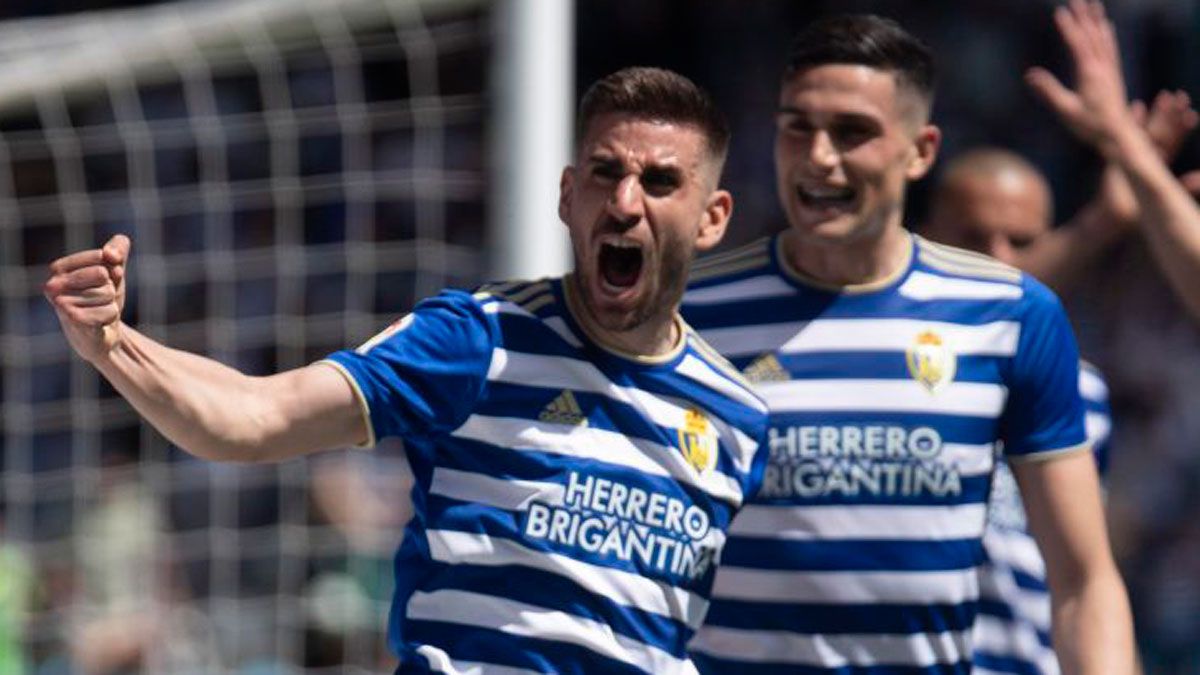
point(766, 368)
point(564, 410)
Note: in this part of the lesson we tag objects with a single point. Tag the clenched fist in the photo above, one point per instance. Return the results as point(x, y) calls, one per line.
point(87, 290)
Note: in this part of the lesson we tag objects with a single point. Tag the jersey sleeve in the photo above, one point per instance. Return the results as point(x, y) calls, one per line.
point(425, 373)
point(1044, 412)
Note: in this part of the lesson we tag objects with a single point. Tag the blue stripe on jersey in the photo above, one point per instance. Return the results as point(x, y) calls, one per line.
point(1029, 582)
point(472, 643)
point(1003, 664)
point(552, 591)
point(708, 664)
point(1006, 613)
point(476, 563)
point(978, 353)
point(843, 618)
point(880, 365)
point(879, 555)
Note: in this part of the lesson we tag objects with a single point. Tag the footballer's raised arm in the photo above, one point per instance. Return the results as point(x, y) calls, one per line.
point(1096, 111)
point(209, 409)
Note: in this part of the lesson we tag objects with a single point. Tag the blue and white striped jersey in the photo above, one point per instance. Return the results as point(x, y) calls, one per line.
point(570, 501)
point(860, 552)
point(1012, 631)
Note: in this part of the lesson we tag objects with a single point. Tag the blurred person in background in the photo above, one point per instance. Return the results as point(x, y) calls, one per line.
point(18, 586)
point(892, 366)
point(993, 201)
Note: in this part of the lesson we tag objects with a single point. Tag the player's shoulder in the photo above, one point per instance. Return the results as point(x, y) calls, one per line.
point(979, 276)
point(528, 296)
point(714, 360)
point(954, 262)
point(732, 265)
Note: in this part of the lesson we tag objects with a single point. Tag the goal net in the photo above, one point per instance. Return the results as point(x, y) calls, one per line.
point(294, 174)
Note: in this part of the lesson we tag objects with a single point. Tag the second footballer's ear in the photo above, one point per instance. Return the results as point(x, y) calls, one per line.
point(717, 211)
point(566, 183)
point(925, 150)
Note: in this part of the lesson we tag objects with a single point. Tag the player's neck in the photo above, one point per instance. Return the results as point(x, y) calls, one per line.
point(658, 336)
point(855, 262)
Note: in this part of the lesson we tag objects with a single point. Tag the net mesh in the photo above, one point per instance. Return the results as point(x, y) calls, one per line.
point(293, 175)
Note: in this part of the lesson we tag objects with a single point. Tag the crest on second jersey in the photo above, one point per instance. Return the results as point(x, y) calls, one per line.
point(930, 360)
point(698, 441)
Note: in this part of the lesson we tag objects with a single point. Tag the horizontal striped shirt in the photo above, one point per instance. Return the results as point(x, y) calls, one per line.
point(571, 502)
point(1012, 631)
point(860, 553)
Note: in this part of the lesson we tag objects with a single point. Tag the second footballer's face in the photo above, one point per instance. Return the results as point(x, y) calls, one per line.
point(998, 214)
point(640, 200)
point(847, 142)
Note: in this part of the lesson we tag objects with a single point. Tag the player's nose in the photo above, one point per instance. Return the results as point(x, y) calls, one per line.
point(626, 203)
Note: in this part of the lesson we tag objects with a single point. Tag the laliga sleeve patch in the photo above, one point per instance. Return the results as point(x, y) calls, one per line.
point(397, 326)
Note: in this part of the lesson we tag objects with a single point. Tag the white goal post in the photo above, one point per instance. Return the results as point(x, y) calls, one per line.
point(295, 174)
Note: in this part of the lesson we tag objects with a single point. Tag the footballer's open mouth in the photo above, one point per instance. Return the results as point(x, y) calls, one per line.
point(826, 197)
point(620, 264)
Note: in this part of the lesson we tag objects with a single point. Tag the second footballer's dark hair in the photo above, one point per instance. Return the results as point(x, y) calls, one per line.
point(659, 94)
point(868, 40)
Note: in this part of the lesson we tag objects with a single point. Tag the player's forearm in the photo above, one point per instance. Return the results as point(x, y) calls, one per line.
point(1061, 257)
point(1170, 218)
point(204, 407)
point(1093, 631)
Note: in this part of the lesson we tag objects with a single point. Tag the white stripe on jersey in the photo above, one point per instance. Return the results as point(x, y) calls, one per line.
point(441, 662)
point(558, 372)
point(503, 493)
point(556, 324)
point(831, 523)
point(970, 460)
point(703, 373)
point(949, 587)
point(523, 619)
point(613, 447)
point(1016, 550)
point(1030, 607)
point(924, 286)
point(765, 286)
point(892, 396)
point(1098, 426)
point(834, 650)
point(624, 588)
point(1091, 386)
point(863, 335)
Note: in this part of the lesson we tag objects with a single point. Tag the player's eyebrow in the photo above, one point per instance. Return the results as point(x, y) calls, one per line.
point(843, 116)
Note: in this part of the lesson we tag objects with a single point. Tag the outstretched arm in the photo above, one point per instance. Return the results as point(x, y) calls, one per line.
point(206, 408)
point(1062, 257)
point(1096, 112)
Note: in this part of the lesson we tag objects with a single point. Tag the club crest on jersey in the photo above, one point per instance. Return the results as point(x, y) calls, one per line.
point(698, 441)
point(930, 361)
